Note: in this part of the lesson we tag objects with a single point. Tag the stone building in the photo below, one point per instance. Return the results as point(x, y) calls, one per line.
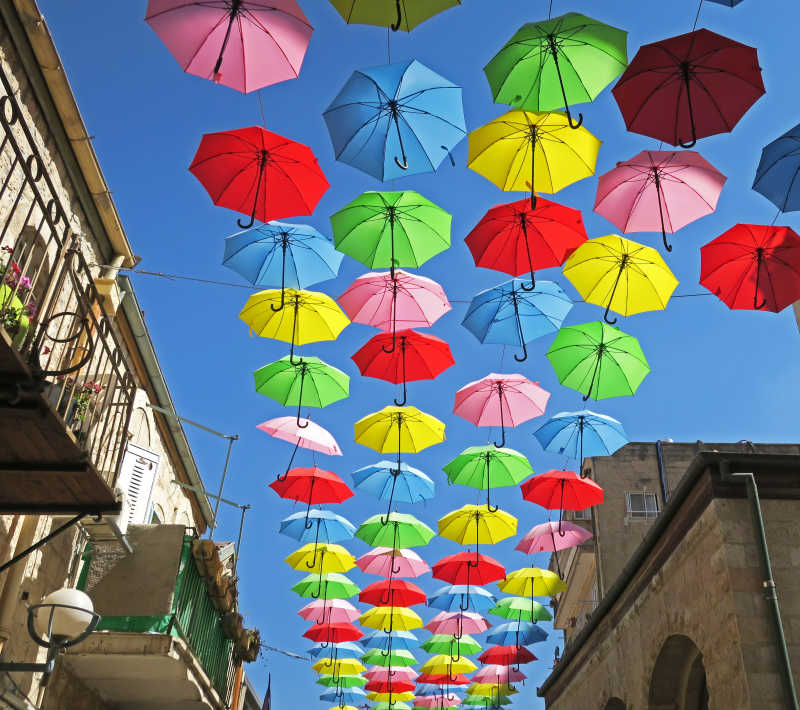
point(90, 447)
point(670, 604)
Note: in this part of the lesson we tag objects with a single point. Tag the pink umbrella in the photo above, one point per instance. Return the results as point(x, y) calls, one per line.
point(329, 611)
point(244, 44)
point(659, 190)
point(500, 400)
point(547, 537)
point(499, 675)
point(301, 432)
point(457, 623)
point(437, 701)
point(389, 562)
point(380, 673)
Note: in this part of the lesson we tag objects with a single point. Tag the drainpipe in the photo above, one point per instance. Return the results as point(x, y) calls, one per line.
point(770, 592)
point(662, 478)
point(14, 575)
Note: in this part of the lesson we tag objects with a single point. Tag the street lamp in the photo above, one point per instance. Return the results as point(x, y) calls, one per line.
point(62, 619)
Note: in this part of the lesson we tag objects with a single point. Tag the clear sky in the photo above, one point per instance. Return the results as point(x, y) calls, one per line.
point(717, 375)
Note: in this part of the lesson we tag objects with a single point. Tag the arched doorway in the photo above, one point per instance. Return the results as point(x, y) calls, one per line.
point(614, 704)
point(679, 677)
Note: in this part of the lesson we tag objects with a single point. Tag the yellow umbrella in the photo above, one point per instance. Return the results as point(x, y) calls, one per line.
point(502, 152)
point(490, 689)
point(309, 316)
point(390, 697)
point(399, 429)
point(321, 559)
point(342, 666)
point(442, 664)
point(346, 707)
point(477, 524)
point(391, 618)
point(532, 582)
point(622, 275)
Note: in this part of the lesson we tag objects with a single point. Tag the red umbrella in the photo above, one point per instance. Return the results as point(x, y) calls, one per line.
point(391, 686)
point(468, 568)
point(312, 486)
point(333, 633)
point(392, 592)
point(506, 655)
point(689, 87)
point(259, 173)
point(514, 239)
point(446, 679)
point(753, 266)
point(416, 357)
point(562, 490)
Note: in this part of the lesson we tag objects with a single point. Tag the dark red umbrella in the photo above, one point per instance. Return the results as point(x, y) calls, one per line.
point(562, 490)
point(506, 656)
point(415, 357)
point(515, 239)
point(333, 633)
point(468, 568)
point(259, 173)
point(390, 686)
point(753, 266)
point(392, 592)
point(312, 486)
point(689, 87)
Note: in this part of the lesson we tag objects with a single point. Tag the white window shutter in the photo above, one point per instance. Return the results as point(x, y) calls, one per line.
point(136, 479)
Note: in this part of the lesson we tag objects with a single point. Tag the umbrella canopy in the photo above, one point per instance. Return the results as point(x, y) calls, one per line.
point(432, 683)
point(531, 582)
point(514, 314)
point(309, 558)
point(397, 530)
point(394, 640)
point(312, 485)
point(348, 666)
point(562, 490)
point(326, 527)
point(258, 173)
point(392, 562)
point(776, 176)
point(499, 675)
point(598, 360)
point(330, 611)
point(517, 633)
point(378, 673)
point(395, 120)
point(390, 618)
point(397, 658)
point(391, 685)
point(392, 592)
point(753, 266)
point(557, 62)
point(688, 87)
point(389, 13)
point(506, 655)
point(448, 645)
point(390, 698)
point(312, 436)
point(390, 229)
point(521, 609)
point(457, 623)
point(354, 696)
point(514, 238)
point(395, 704)
point(390, 482)
point(245, 44)
point(333, 633)
point(622, 275)
point(342, 680)
point(466, 568)
point(659, 191)
point(462, 597)
point(319, 649)
point(442, 664)
point(326, 586)
point(476, 524)
point(579, 434)
point(524, 150)
point(546, 537)
point(500, 400)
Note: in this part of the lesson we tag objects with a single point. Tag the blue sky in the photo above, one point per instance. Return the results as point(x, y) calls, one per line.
point(716, 375)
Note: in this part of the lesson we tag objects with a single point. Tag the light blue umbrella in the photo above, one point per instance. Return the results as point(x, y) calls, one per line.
point(341, 649)
point(462, 597)
point(397, 119)
point(509, 314)
point(388, 481)
point(325, 527)
point(279, 254)
point(349, 696)
point(729, 3)
point(404, 640)
point(579, 434)
point(778, 173)
point(516, 633)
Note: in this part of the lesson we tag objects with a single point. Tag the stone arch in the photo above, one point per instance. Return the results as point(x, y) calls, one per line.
point(140, 428)
point(614, 704)
point(678, 681)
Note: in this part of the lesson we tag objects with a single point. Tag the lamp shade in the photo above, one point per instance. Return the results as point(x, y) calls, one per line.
point(67, 623)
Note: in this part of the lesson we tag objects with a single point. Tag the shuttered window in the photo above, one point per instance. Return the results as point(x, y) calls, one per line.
point(136, 479)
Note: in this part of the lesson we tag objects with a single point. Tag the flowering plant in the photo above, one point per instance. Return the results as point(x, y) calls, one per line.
point(82, 395)
point(12, 308)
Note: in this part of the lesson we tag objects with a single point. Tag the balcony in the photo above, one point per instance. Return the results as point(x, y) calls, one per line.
point(66, 391)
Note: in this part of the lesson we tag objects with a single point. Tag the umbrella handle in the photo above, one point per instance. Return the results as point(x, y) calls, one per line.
point(396, 25)
point(687, 81)
point(395, 475)
point(502, 425)
point(554, 52)
point(569, 119)
point(524, 354)
point(284, 245)
point(283, 301)
point(524, 224)
point(461, 603)
point(449, 155)
point(608, 320)
point(405, 391)
point(519, 329)
point(310, 523)
point(760, 257)
point(294, 333)
point(594, 374)
point(491, 508)
point(316, 547)
point(394, 312)
point(657, 181)
point(300, 425)
point(291, 460)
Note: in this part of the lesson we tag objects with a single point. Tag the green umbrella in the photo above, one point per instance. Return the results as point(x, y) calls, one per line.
point(400, 658)
point(551, 64)
point(486, 701)
point(598, 360)
point(309, 383)
point(521, 609)
point(326, 586)
point(391, 13)
point(398, 705)
point(342, 681)
point(449, 645)
point(389, 229)
point(397, 530)
point(487, 467)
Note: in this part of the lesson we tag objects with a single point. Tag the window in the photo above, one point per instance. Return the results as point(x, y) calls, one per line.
point(641, 506)
point(582, 514)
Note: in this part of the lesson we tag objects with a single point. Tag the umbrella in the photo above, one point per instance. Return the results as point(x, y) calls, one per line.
point(520, 609)
point(392, 592)
point(399, 657)
point(343, 680)
point(507, 655)
point(562, 60)
point(524, 150)
point(776, 176)
point(457, 623)
point(378, 673)
point(462, 597)
point(487, 467)
point(598, 360)
point(419, 357)
point(243, 44)
point(517, 633)
point(562, 490)
point(391, 685)
point(311, 485)
point(394, 120)
point(259, 173)
point(280, 254)
point(551, 537)
point(512, 314)
point(753, 266)
point(497, 400)
point(579, 434)
point(397, 704)
point(395, 640)
point(388, 481)
point(331, 585)
point(345, 647)
point(433, 683)
point(333, 633)
point(466, 568)
point(442, 664)
point(328, 527)
point(500, 675)
point(348, 666)
point(405, 15)
point(390, 229)
point(531, 582)
point(621, 275)
point(315, 317)
point(393, 617)
point(442, 643)
point(514, 238)
point(728, 3)
point(305, 434)
point(392, 562)
point(310, 383)
point(353, 696)
point(329, 611)
point(335, 559)
point(659, 191)
point(390, 698)
point(397, 530)
point(688, 87)
point(472, 523)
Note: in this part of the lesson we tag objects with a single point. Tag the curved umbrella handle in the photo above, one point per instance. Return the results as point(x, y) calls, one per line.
point(524, 224)
point(449, 155)
point(524, 354)
point(283, 301)
point(316, 548)
point(502, 425)
point(532, 287)
point(300, 425)
point(403, 165)
point(569, 119)
point(687, 81)
point(396, 25)
point(608, 320)
point(405, 388)
point(760, 259)
point(403, 401)
point(461, 603)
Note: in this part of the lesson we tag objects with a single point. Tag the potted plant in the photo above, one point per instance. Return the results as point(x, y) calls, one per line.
point(17, 305)
point(77, 401)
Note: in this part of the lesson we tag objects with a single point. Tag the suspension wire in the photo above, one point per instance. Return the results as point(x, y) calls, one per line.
point(697, 16)
point(388, 45)
point(550, 11)
point(261, 108)
point(775, 218)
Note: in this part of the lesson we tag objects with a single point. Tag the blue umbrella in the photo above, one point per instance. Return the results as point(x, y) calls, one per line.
point(516, 633)
point(340, 648)
point(349, 696)
point(509, 314)
point(462, 597)
point(729, 3)
point(777, 173)
point(276, 253)
point(389, 482)
point(404, 640)
point(403, 110)
point(579, 434)
point(326, 527)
